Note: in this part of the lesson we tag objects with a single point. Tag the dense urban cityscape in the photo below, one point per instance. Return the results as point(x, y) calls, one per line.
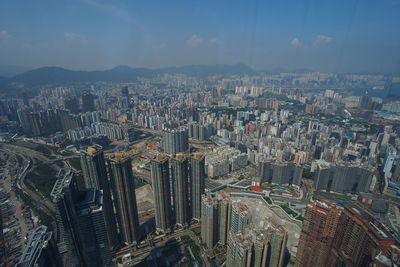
point(266, 170)
point(199, 133)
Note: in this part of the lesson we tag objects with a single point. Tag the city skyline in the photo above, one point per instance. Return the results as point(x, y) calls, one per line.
point(199, 133)
point(340, 36)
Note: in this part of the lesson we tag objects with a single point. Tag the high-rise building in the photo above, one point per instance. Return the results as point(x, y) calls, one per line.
point(224, 217)
point(94, 167)
point(279, 173)
point(319, 227)
point(87, 102)
point(239, 251)
point(125, 198)
point(359, 239)
point(72, 104)
point(257, 248)
point(92, 229)
point(209, 220)
point(200, 131)
point(175, 140)
point(162, 192)
point(343, 178)
point(240, 217)
point(40, 250)
point(197, 176)
point(82, 225)
point(180, 178)
point(24, 121)
point(278, 243)
point(349, 236)
point(125, 91)
point(95, 176)
point(63, 195)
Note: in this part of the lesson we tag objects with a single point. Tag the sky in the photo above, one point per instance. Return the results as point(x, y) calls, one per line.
point(322, 35)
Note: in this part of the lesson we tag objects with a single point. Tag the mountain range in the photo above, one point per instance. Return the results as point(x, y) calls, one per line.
point(60, 76)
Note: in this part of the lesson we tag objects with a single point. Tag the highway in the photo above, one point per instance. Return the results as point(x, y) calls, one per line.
point(141, 253)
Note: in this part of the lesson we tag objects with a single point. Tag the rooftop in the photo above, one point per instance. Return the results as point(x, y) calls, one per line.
point(92, 150)
point(38, 240)
point(64, 178)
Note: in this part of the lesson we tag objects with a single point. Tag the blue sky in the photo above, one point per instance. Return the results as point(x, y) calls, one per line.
point(336, 35)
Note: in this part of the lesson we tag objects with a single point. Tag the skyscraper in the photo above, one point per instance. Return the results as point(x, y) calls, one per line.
point(179, 173)
point(239, 251)
point(162, 193)
point(224, 217)
point(279, 172)
point(343, 178)
point(92, 229)
point(95, 176)
point(240, 217)
point(197, 176)
point(175, 140)
point(209, 220)
point(257, 248)
point(72, 104)
point(82, 223)
point(359, 239)
point(319, 227)
point(125, 198)
point(87, 102)
point(63, 195)
point(24, 120)
point(94, 167)
point(278, 244)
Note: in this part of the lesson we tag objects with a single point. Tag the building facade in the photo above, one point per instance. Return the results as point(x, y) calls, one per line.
point(123, 185)
point(180, 178)
point(197, 177)
point(162, 193)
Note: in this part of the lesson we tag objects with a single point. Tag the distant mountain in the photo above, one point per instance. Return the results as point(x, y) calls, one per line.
point(61, 76)
point(11, 71)
point(57, 75)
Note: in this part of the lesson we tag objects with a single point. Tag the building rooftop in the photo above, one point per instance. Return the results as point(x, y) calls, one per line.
point(37, 240)
point(197, 155)
point(366, 219)
point(160, 158)
point(90, 200)
point(64, 178)
point(92, 150)
point(180, 156)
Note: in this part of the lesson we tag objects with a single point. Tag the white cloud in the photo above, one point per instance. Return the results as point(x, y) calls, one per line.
point(296, 43)
point(213, 42)
point(194, 41)
point(322, 40)
point(3, 34)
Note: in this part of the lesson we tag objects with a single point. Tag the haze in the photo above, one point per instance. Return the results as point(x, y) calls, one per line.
point(334, 36)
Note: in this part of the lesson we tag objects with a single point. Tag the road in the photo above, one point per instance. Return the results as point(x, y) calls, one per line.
point(159, 244)
point(31, 157)
point(43, 204)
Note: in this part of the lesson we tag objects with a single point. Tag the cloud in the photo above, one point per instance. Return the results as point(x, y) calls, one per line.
point(322, 40)
point(194, 41)
point(213, 42)
point(296, 43)
point(4, 34)
point(75, 37)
